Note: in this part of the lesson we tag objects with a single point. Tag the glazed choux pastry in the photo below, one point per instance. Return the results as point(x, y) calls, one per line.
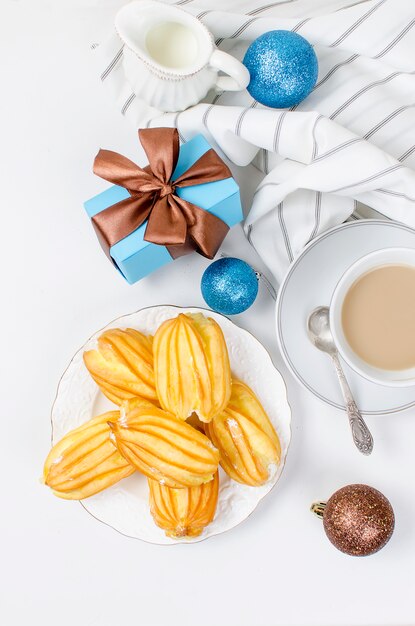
point(183, 512)
point(246, 439)
point(85, 461)
point(122, 365)
point(191, 366)
point(163, 447)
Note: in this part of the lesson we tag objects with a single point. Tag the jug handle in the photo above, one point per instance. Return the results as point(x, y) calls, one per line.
point(238, 75)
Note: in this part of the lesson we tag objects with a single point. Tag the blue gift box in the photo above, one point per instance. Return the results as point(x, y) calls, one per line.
point(135, 257)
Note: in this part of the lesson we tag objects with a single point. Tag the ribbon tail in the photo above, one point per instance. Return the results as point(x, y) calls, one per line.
point(183, 249)
point(205, 231)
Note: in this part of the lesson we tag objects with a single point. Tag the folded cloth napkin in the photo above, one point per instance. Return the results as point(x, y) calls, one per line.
point(352, 140)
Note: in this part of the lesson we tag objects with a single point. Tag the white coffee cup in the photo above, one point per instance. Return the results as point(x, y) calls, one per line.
point(380, 258)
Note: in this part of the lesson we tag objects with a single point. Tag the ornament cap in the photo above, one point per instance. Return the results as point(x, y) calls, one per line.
point(318, 508)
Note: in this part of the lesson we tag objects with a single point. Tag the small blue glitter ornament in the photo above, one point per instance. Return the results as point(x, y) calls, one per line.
point(283, 68)
point(229, 286)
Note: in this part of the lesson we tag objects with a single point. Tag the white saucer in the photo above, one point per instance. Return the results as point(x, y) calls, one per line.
point(310, 282)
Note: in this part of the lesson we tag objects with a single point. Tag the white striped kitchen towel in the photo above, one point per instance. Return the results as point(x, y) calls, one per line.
point(352, 140)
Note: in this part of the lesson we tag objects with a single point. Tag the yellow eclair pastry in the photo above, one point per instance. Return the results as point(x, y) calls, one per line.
point(246, 439)
point(183, 512)
point(191, 366)
point(85, 461)
point(163, 447)
point(122, 365)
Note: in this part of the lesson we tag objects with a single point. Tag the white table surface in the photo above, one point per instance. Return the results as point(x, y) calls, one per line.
point(60, 567)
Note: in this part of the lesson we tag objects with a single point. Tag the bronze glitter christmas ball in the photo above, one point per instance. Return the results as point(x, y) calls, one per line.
point(358, 519)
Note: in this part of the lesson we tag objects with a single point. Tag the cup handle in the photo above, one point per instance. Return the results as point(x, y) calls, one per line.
point(238, 75)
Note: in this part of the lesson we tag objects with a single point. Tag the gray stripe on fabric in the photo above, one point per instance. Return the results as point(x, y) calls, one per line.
point(127, 103)
point(388, 170)
point(238, 32)
point(407, 154)
point(317, 216)
point(176, 125)
point(113, 63)
point(269, 6)
point(206, 115)
point(203, 14)
point(334, 70)
point(277, 132)
point(254, 12)
point(313, 132)
point(356, 24)
point(398, 194)
point(338, 148)
point(396, 40)
point(349, 6)
point(249, 236)
point(314, 157)
point(300, 24)
point(387, 119)
point(216, 98)
point(364, 89)
point(280, 213)
point(240, 119)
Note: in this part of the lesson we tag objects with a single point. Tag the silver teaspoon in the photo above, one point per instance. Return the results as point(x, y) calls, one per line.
point(318, 327)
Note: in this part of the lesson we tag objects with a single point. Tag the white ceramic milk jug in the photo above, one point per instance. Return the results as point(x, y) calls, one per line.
point(169, 56)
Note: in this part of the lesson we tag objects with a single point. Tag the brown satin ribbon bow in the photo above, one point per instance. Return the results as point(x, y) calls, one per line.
point(172, 221)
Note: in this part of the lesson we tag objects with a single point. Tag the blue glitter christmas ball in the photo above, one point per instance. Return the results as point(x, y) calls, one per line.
point(283, 68)
point(229, 286)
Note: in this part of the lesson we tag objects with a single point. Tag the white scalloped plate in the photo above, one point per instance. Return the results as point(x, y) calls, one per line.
point(124, 506)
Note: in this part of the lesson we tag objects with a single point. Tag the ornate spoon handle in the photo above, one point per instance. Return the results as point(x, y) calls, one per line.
point(361, 434)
